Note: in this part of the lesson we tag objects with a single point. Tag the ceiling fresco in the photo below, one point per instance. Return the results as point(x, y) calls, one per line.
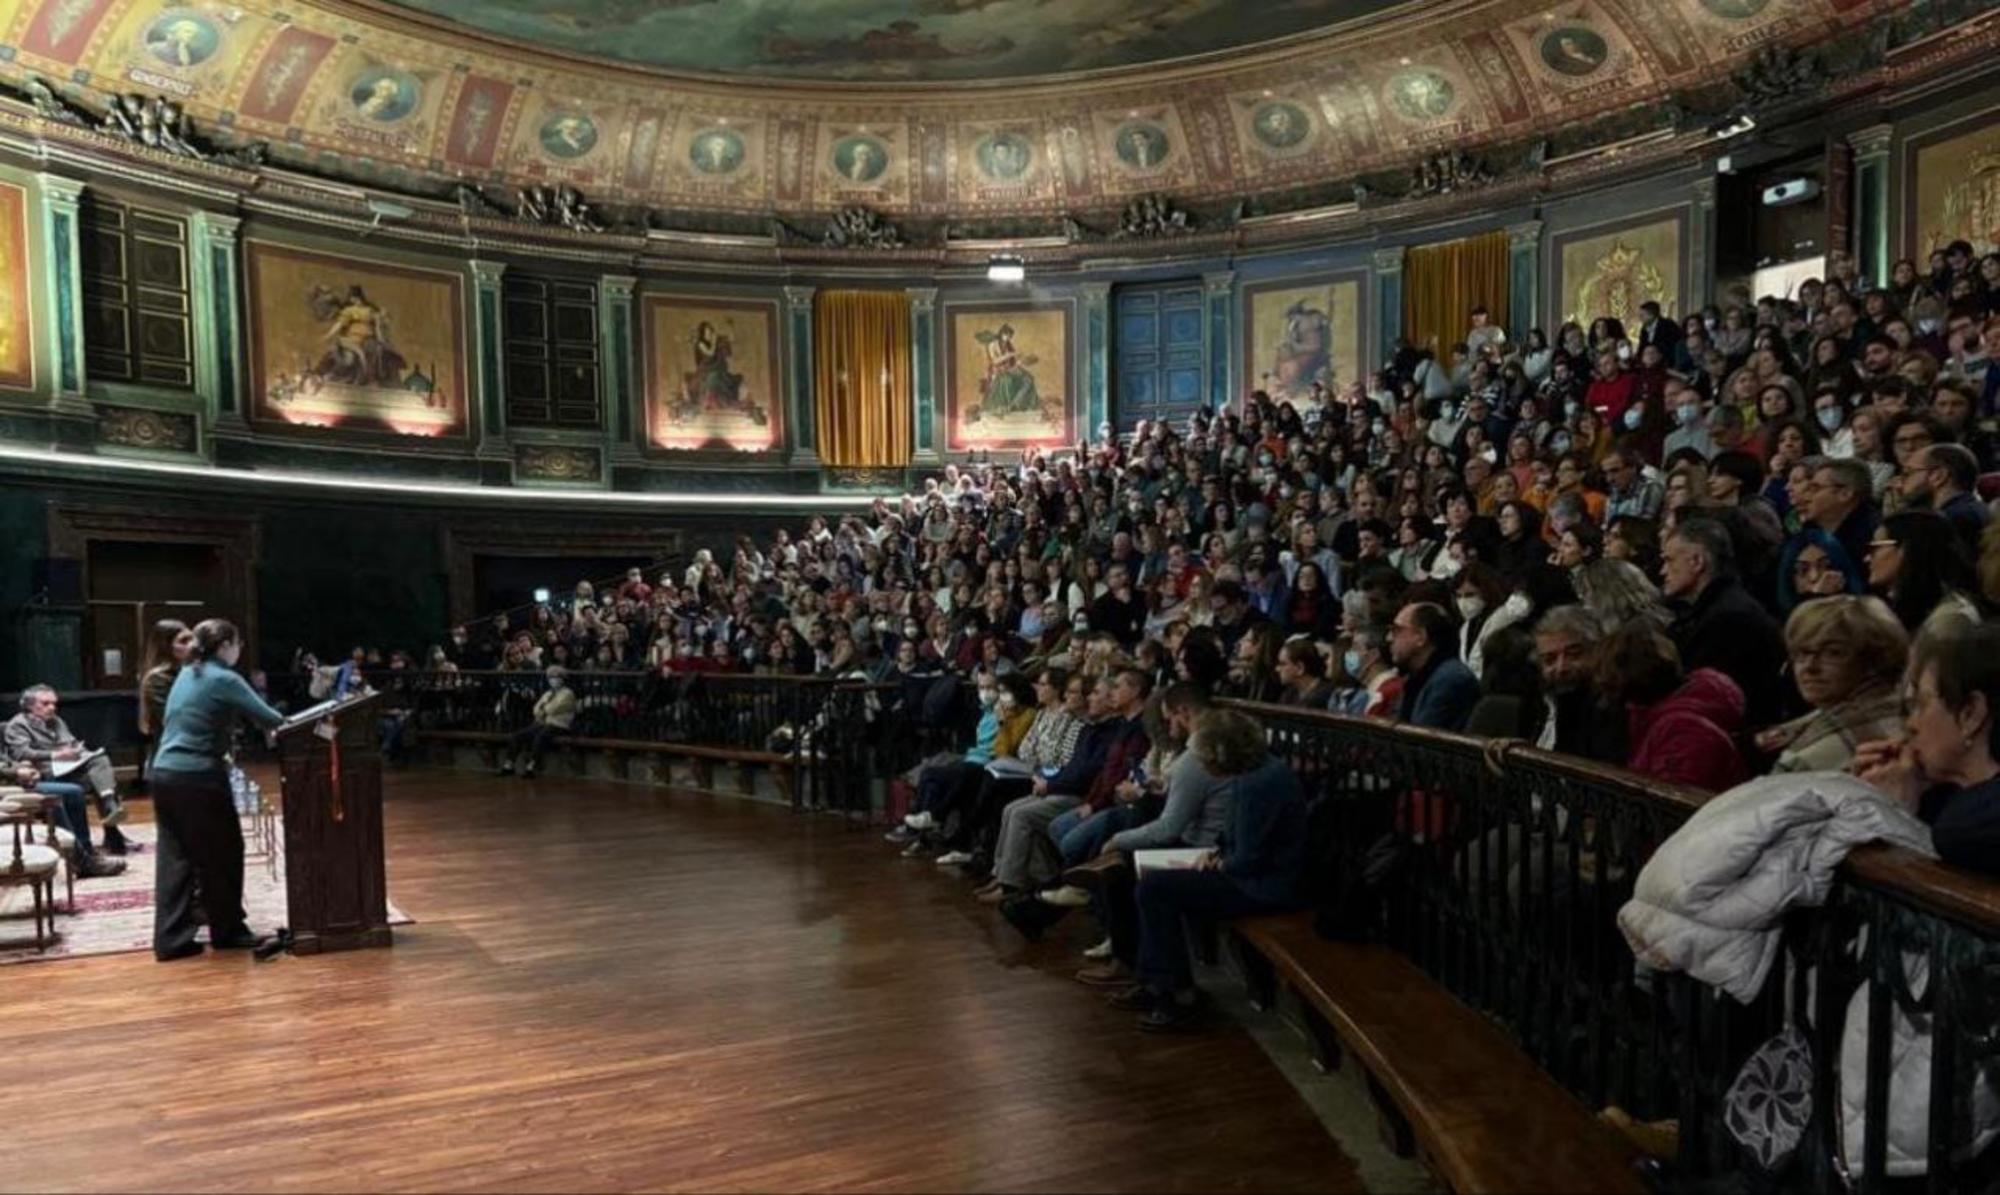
point(896, 39)
point(366, 93)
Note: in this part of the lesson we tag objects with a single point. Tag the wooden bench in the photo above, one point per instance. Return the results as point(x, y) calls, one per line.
point(620, 751)
point(1448, 1082)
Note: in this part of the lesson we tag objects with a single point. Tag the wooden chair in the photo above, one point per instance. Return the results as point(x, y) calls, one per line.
point(16, 801)
point(32, 864)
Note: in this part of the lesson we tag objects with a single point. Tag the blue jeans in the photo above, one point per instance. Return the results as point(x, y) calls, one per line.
point(72, 814)
point(1079, 834)
point(1166, 899)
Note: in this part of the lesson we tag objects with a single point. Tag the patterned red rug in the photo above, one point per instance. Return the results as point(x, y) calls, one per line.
point(115, 915)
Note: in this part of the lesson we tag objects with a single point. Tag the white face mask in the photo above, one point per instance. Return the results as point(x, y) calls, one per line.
point(988, 696)
point(1470, 608)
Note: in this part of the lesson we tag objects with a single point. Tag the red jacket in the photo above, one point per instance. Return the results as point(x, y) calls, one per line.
point(1688, 736)
point(1610, 399)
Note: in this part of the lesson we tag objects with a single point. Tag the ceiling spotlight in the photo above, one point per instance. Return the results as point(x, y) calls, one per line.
point(1735, 126)
point(1006, 267)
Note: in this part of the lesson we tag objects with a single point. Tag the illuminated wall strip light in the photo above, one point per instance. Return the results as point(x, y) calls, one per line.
point(773, 502)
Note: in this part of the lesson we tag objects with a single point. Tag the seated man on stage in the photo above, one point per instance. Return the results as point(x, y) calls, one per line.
point(38, 736)
point(70, 816)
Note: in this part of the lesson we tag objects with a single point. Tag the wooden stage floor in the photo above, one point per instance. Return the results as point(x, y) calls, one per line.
point(610, 988)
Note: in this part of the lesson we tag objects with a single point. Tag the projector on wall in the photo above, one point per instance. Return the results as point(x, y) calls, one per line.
point(1792, 190)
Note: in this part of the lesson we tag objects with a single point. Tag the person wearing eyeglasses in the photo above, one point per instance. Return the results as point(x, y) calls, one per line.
point(1917, 565)
point(1941, 478)
point(1847, 657)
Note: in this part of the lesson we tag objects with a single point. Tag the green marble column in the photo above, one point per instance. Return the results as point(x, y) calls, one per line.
point(799, 319)
point(61, 233)
point(1219, 292)
point(1096, 357)
point(923, 375)
point(1388, 301)
point(1871, 201)
point(621, 401)
point(218, 364)
point(486, 333)
point(1524, 272)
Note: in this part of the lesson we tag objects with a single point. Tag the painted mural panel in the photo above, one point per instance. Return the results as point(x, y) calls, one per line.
point(343, 342)
point(17, 323)
point(1299, 331)
point(1956, 195)
point(713, 373)
point(1611, 273)
point(1007, 372)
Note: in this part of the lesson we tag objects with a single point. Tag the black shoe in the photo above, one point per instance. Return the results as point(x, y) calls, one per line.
point(1169, 1016)
point(1028, 914)
point(240, 939)
point(507, 769)
point(1135, 998)
point(97, 866)
point(184, 950)
point(115, 844)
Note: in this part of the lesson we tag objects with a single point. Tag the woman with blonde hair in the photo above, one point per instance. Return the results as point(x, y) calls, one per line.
point(1848, 654)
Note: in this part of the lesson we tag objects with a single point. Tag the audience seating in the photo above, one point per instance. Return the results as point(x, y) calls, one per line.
point(1449, 1084)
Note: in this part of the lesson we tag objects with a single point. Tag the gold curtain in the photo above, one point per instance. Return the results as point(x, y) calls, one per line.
point(861, 377)
point(1443, 283)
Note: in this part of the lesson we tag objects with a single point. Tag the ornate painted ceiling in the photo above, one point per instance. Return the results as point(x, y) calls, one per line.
point(896, 39)
point(374, 93)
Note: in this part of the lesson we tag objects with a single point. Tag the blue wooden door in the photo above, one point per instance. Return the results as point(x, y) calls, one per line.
point(1160, 352)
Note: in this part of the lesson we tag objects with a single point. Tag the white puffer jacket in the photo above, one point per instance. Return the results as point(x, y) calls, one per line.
point(1711, 900)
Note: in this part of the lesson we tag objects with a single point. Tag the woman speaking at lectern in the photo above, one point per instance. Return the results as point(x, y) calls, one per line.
point(201, 842)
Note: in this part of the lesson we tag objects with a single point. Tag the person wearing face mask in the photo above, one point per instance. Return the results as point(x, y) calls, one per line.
point(1690, 424)
point(200, 839)
point(1376, 685)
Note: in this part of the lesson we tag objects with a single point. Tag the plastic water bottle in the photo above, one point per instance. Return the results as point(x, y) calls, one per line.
point(255, 801)
point(239, 788)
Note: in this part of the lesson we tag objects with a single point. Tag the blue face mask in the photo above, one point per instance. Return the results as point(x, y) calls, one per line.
point(1632, 417)
point(1688, 414)
point(1829, 419)
point(1351, 660)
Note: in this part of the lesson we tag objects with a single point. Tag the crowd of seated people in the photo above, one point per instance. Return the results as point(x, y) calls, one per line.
point(1702, 549)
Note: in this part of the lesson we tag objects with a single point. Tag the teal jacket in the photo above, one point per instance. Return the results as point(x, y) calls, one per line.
point(202, 709)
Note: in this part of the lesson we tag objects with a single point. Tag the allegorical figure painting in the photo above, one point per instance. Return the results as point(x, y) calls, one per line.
point(1301, 333)
point(1009, 374)
point(17, 351)
point(356, 345)
point(712, 373)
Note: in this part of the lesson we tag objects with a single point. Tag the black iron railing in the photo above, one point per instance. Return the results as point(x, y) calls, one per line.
point(1518, 862)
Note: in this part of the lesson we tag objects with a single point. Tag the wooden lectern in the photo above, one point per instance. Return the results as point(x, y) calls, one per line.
point(332, 781)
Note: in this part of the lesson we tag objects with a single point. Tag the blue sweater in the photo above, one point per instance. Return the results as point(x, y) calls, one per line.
point(202, 708)
point(1264, 843)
